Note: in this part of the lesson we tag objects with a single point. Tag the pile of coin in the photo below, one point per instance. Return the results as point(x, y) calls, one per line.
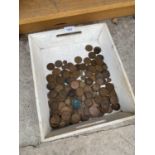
point(81, 90)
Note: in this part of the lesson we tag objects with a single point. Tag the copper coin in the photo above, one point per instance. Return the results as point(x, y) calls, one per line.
point(96, 87)
point(94, 111)
point(62, 94)
point(88, 81)
point(108, 80)
point(87, 88)
point(49, 78)
point(110, 87)
point(55, 120)
point(78, 59)
point(97, 50)
point(71, 67)
point(99, 75)
point(113, 99)
point(67, 109)
point(105, 104)
point(66, 117)
point(82, 84)
point(75, 118)
point(91, 55)
point(56, 71)
point(62, 124)
point(106, 74)
point(88, 94)
point(51, 86)
point(87, 61)
point(93, 62)
point(92, 69)
point(88, 47)
point(82, 66)
point(103, 92)
point(99, 68)
point(68, 101)
point(88, 73)
point(60, 106)
point(52, 94)
point(100, 81)
point(50, 66)
point(115, 106)
point(72, 93)
point(65, 74)
point(79, 91)
point(75, 84)
point(59, 80)
point(101, 57)
point(98, 99)
point(64, 62)
point(59, 87)
point(88, 102)
point(58, 63)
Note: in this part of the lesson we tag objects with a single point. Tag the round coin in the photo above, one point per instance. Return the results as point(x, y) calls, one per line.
point(50, 66)
point(75, 84)
point(78, 59)
point(91, 55)
point(87, 61)
point(97, 50)
point(88, 47)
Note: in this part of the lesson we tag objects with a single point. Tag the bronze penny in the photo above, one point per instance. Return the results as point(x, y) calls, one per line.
point(59, 87)
point(93, 62)
point(79, 91)
point(103, 92)
point(115, 106)
point(49, 78)
point(100, 57)
point(55, 120)
point(96, 87)
point(88, 102)
point(88, 94)
point(75, 84)
point(100, 81)
point(52, 94)
point(50, 66)
point(88, 47)
point(51, 86)
point(56, 71)
point(97, 50)
point(75, 118)
point(65, 74)
point(91, 55)
point(87, 61)
point(58, 63)
point(110, 87)
point(87, 88)
point(88, 81)
point(88, 73)
point(82, 66)
point(78, 59)
point(94, 111)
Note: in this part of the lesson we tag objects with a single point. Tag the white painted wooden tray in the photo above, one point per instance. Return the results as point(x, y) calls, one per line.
point(50, 46)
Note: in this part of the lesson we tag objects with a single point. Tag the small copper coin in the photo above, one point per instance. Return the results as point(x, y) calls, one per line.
point(58, 63)
point(94, 111)
point(56, 71)
point(88, 102)
point(97, 50)
point(88, 47)
point(79, 91)
point(100, 81)
point(91, 55)
point(49, 78)
point(50, 66)
point(115, 106)
point(103, 92)
point(99, 68)
point(75, 84)
point(96, 87)
point(78, 59)
point(87, 61)
point(82, 66)
point(75, 118)
point(88, 81)
point(92, 69)
point(59, 87)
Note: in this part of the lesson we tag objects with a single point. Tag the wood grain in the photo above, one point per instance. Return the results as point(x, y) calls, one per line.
point(38, 15)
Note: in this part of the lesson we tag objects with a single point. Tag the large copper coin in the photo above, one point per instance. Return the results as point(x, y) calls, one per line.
point(79, 91)
point(89, 48)
point(58, 63)
point(55, 120)
point(75, 118)
point(97, 50)
point(88, 81)
point(91, 55)
point(50, 66)
point(104, 92)
point(75, 84)
point(87, 61)
point(78, 59)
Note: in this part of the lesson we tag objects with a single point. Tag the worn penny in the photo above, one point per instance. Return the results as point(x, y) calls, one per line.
point(89, 48)
point(55, 120)
point(97, 50)
point(115, 106)
point(78, 59)
point(75, 118)
point(87, 61)
point(75, 84)
point(91, 55)
point(103, 91)
point(50, 66)
point(88, 81)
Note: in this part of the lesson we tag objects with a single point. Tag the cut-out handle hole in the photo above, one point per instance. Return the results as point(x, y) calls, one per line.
point(69, 33)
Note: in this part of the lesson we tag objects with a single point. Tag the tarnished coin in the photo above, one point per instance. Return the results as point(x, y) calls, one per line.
point(56, 71)
point(104, 92)
point(101, 57)
point(49, 78)
point(59, 87)
point(100, 81)
point(60, 106)
point(115, 106)
point(92, 69)
point(96, 87)
point(71, 67)
point(94, 111)
point(87, 61)
point(50, 66)
point(79, 91)
point(99, 68)
point(88, 47)
point(98, 99)
point(106, 74)
point(113, 99)
point(65, 74)
point(58, 63)
point(89, 74)
point(110, 87)
point(52, 94)
point(55, 120)
point(75, 84)
point(97, 50)
point(88, 102)
point(72, 93)
point(75, 118)
point(91, 55)
point(60, 80)
point(78, 59)
point(93, 62)
point(66, 117)
point(88, 81)
point(82, 66)
point(51, 86)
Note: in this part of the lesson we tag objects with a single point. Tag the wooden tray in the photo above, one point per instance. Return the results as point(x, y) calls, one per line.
point(40, 15)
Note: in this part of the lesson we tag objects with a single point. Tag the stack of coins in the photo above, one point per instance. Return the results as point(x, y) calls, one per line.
point(81, 90)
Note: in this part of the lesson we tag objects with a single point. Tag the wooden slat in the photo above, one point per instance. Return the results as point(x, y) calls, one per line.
point(38, 15)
